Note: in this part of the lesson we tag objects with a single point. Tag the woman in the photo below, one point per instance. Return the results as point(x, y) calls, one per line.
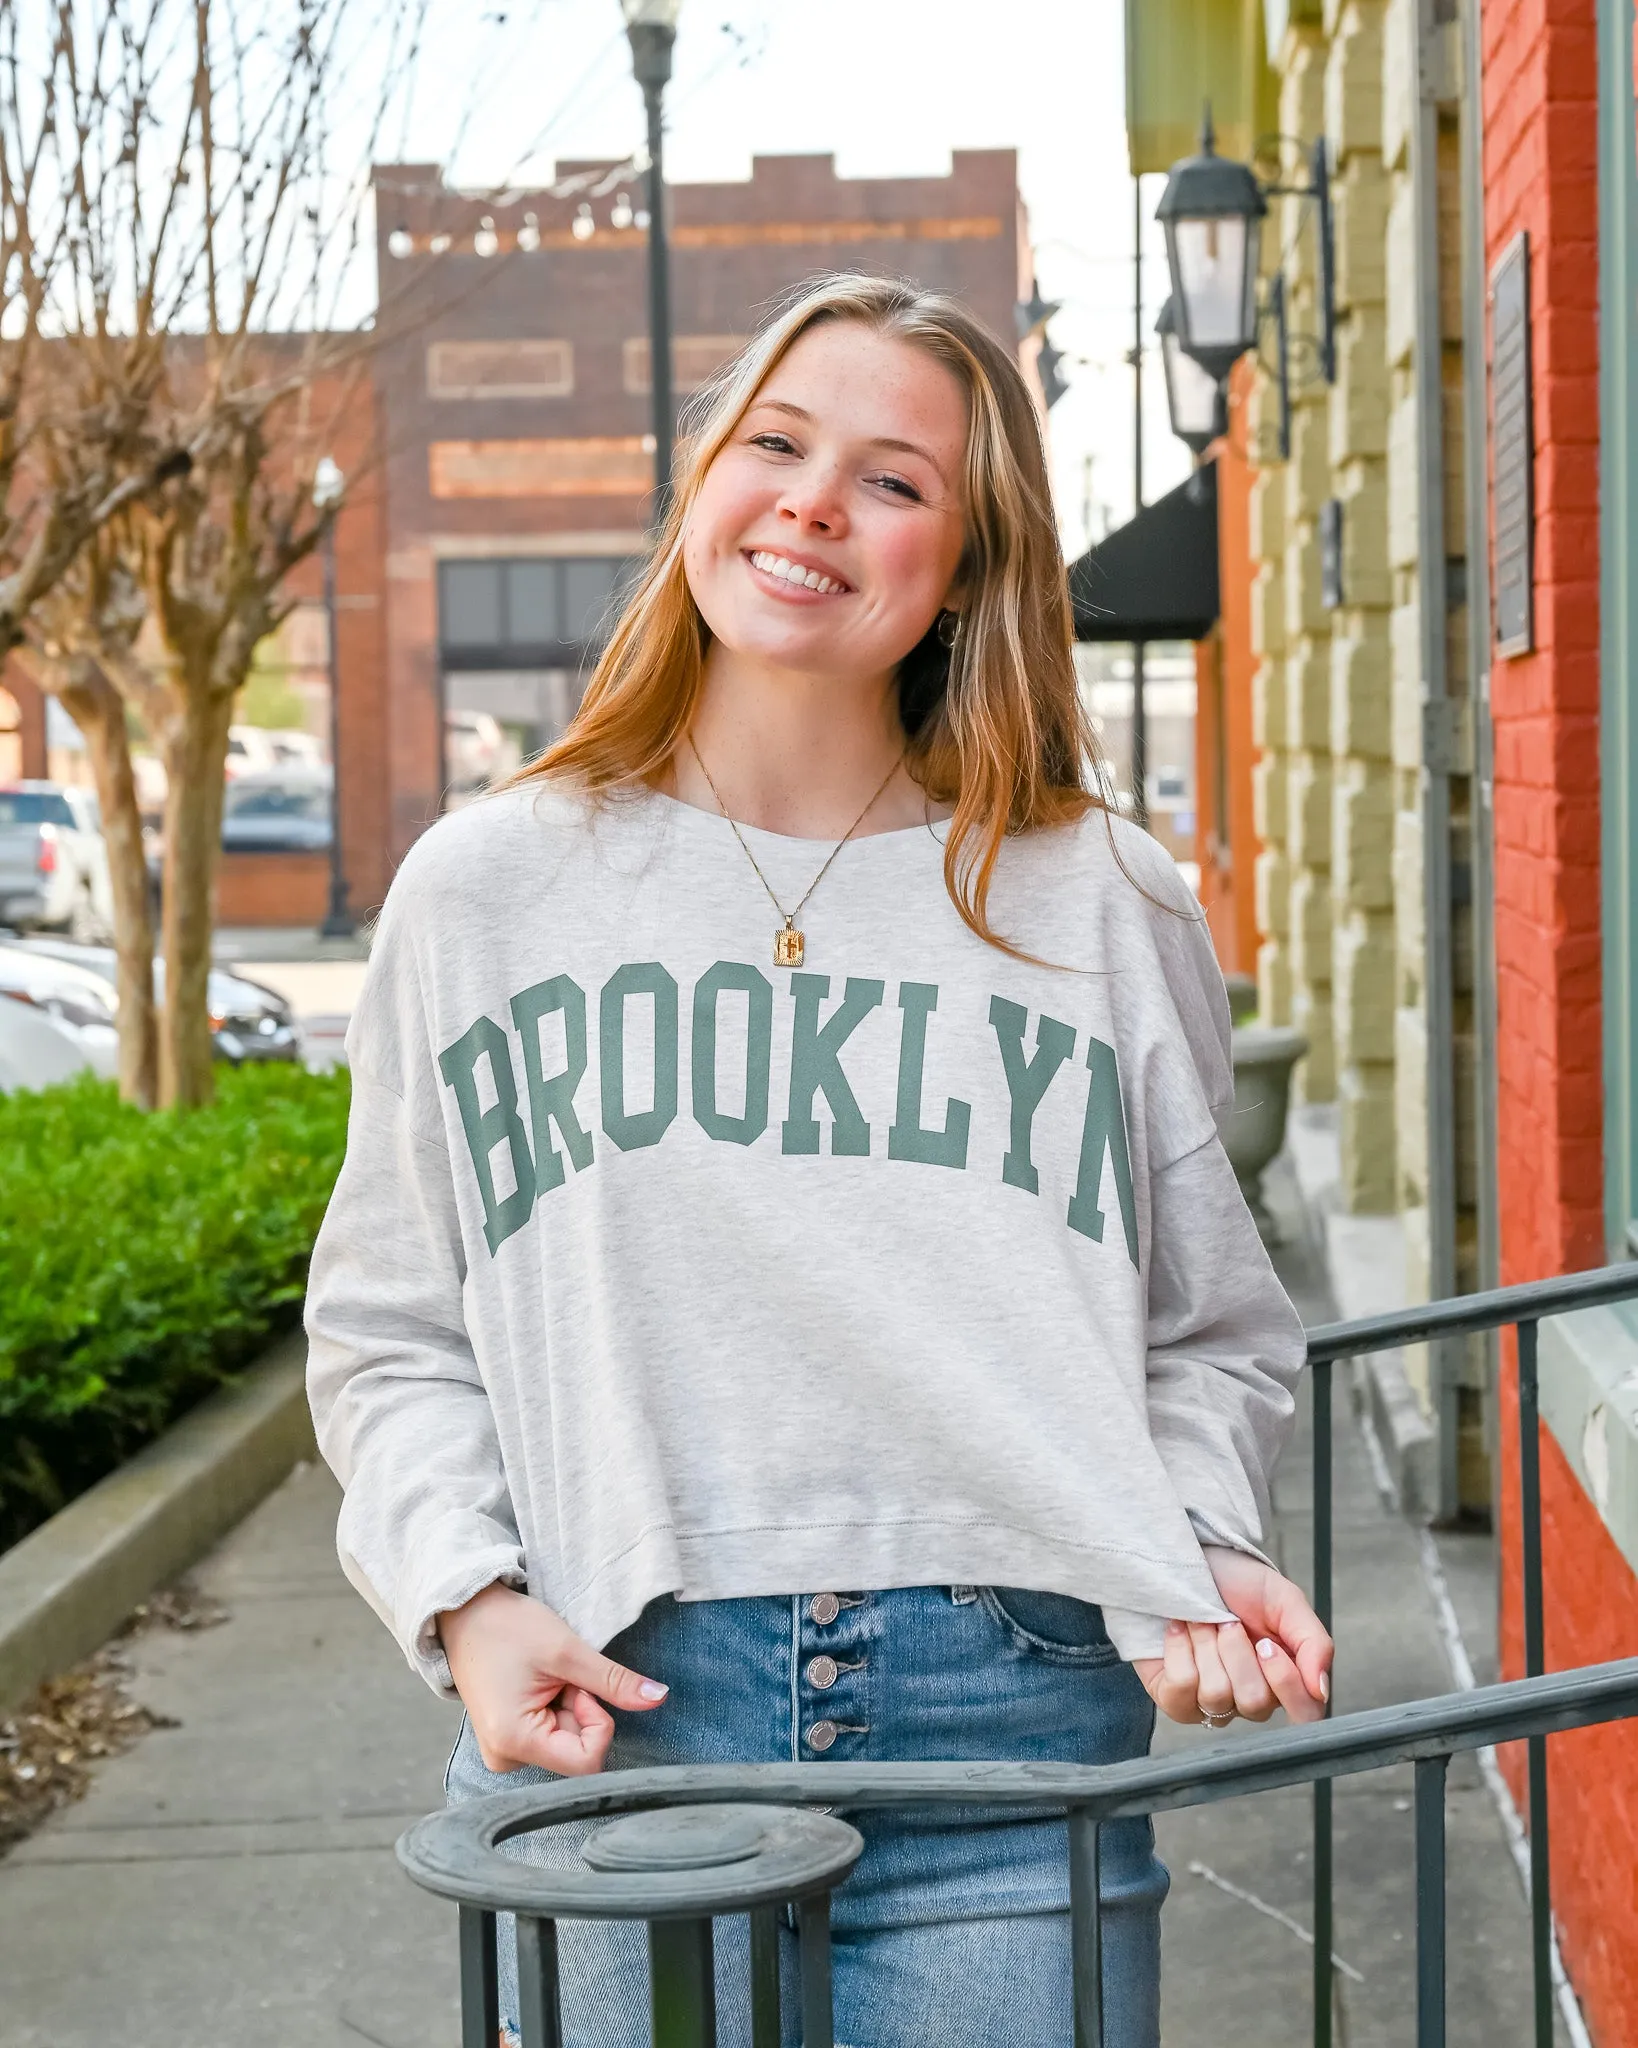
point(784, 1253)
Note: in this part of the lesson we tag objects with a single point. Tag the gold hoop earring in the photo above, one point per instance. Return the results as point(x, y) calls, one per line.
point(949, 628)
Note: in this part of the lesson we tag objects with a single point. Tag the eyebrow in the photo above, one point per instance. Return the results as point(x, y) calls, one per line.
point(797, 412)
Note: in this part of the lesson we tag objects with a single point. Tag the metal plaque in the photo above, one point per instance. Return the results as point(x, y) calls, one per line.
point(1511, 444)
point(1330, 540)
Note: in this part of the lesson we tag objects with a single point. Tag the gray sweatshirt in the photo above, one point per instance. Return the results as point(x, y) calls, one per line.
point(656, 1268)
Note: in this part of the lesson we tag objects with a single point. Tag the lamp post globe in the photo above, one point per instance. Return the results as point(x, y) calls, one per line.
point(1212, 211)
point(1194, 397)
point(328, 483)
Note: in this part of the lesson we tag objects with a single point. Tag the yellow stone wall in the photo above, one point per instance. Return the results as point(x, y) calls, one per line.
point(1362, 916)
point(1306, 663)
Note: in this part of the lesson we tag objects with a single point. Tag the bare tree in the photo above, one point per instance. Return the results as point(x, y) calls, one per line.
point(82, 649)
point(188, 323)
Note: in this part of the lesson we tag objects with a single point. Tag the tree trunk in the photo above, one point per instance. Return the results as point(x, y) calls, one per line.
point(195, 762)
point(97, 708)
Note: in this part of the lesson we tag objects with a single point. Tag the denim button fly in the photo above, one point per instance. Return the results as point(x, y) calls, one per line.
point(822, 1672)
point(824, 1608)
point(821, 1735)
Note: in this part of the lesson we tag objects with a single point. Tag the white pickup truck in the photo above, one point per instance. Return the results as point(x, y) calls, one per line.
point(53, 861)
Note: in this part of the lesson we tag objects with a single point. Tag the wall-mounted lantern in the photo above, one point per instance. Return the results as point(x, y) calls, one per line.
point(1212, 212)
point(1194, 397)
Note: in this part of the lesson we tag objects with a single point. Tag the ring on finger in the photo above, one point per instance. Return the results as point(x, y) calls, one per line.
point(1216, 1720)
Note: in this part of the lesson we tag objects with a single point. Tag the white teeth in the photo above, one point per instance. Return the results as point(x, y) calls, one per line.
point(809, 579)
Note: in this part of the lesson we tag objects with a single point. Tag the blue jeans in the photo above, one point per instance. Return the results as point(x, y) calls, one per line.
point(953, 1927)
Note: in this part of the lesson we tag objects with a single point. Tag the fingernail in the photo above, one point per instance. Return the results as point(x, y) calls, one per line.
point(1325, 1686)
point(1265, 1648)
point(1174, 1628)
point(651, 1689)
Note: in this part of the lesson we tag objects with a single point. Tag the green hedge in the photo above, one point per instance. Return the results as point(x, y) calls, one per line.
point(143, 1259)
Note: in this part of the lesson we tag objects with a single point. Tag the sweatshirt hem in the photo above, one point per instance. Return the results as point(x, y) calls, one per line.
point(1138, 1591)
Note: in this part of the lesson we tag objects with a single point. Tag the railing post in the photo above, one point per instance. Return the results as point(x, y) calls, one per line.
point(683, 1974)
point(539, 2014)
point(765, 1977)
point(480, 1985)
point(1430, 1901)
point(1085, 1928)
point(813, 1937)
point(1324, 1974)
point(1535, 1663)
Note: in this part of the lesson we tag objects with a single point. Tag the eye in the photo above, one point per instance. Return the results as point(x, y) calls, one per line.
point(899, 486)
point(775, 443)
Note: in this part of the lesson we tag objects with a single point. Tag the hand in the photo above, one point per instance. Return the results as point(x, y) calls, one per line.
point(1275, 1653)
point(533, 1689)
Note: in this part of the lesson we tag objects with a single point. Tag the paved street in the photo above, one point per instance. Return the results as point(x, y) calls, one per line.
point(230, 1880)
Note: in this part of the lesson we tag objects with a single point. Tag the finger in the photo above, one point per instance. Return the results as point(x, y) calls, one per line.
point(1286, 1681)
point(600, 1675)
point(573, 1737)
point(1253, 1698)
point(1176, 1688)
point(1215, 1691)
point(1299, 1629)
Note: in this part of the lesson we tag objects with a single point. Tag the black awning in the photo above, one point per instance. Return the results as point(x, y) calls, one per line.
point(1155, 578)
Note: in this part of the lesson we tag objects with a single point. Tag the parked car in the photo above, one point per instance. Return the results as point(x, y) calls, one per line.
point(248, 751)
point(248, 1021)
point(35, 1050)
point(54, 861)
point(291, 749)
point(277, 810)
point(82, 1003)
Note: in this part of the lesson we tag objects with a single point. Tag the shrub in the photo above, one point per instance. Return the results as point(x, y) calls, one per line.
point(143, 1259)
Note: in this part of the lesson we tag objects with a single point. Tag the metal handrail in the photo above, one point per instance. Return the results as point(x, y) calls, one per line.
point(1521, 1307)
point(455, 1853)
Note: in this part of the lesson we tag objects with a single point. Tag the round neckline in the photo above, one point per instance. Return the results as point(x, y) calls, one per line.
point(933, 828)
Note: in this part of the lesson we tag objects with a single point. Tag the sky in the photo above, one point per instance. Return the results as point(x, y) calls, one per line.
point(889, 87)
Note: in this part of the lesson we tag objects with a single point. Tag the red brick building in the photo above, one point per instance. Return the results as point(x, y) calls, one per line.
point(1561, 170)
point(501, 461)
point(513, 405)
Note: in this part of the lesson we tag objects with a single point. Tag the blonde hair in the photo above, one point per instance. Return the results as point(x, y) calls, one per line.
point(994, 726)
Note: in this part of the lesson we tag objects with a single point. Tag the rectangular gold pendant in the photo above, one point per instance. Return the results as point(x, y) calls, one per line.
point(789, 946)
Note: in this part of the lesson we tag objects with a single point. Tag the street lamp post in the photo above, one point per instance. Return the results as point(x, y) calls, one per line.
point(328, 486)
point(651, 28)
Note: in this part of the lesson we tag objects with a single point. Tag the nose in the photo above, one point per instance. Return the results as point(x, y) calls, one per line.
point(813, 502)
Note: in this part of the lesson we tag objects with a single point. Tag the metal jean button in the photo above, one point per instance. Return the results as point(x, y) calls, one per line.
point(821, 1735)
point(822, 1672)
point(824, 1608)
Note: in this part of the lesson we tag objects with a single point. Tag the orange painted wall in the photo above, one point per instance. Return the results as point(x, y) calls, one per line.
point(1225, 840)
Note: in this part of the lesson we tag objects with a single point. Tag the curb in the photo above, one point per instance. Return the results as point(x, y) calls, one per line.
point(69, 1584)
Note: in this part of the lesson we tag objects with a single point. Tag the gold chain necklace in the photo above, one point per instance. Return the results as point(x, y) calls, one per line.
point(790, 945)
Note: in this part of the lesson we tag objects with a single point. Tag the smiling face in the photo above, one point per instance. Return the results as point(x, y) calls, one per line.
point(827, 533)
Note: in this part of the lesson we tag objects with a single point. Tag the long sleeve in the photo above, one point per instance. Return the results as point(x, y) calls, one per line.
point(401, 1412)
point(1226, 1349)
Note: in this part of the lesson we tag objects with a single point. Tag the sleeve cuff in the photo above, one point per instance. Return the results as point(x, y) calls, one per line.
point(422, 1646)
point(1208, 1529)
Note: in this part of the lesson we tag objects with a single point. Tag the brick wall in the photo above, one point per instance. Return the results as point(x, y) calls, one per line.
point(1540, 127)
point(1540, 134)
point(272, 888)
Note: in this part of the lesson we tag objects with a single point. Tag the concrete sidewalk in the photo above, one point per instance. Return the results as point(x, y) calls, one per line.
point(230, 1883)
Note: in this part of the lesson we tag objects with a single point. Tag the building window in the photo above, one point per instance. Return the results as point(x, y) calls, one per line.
point(695, 359)
point(527, 612)
point(500, 369)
